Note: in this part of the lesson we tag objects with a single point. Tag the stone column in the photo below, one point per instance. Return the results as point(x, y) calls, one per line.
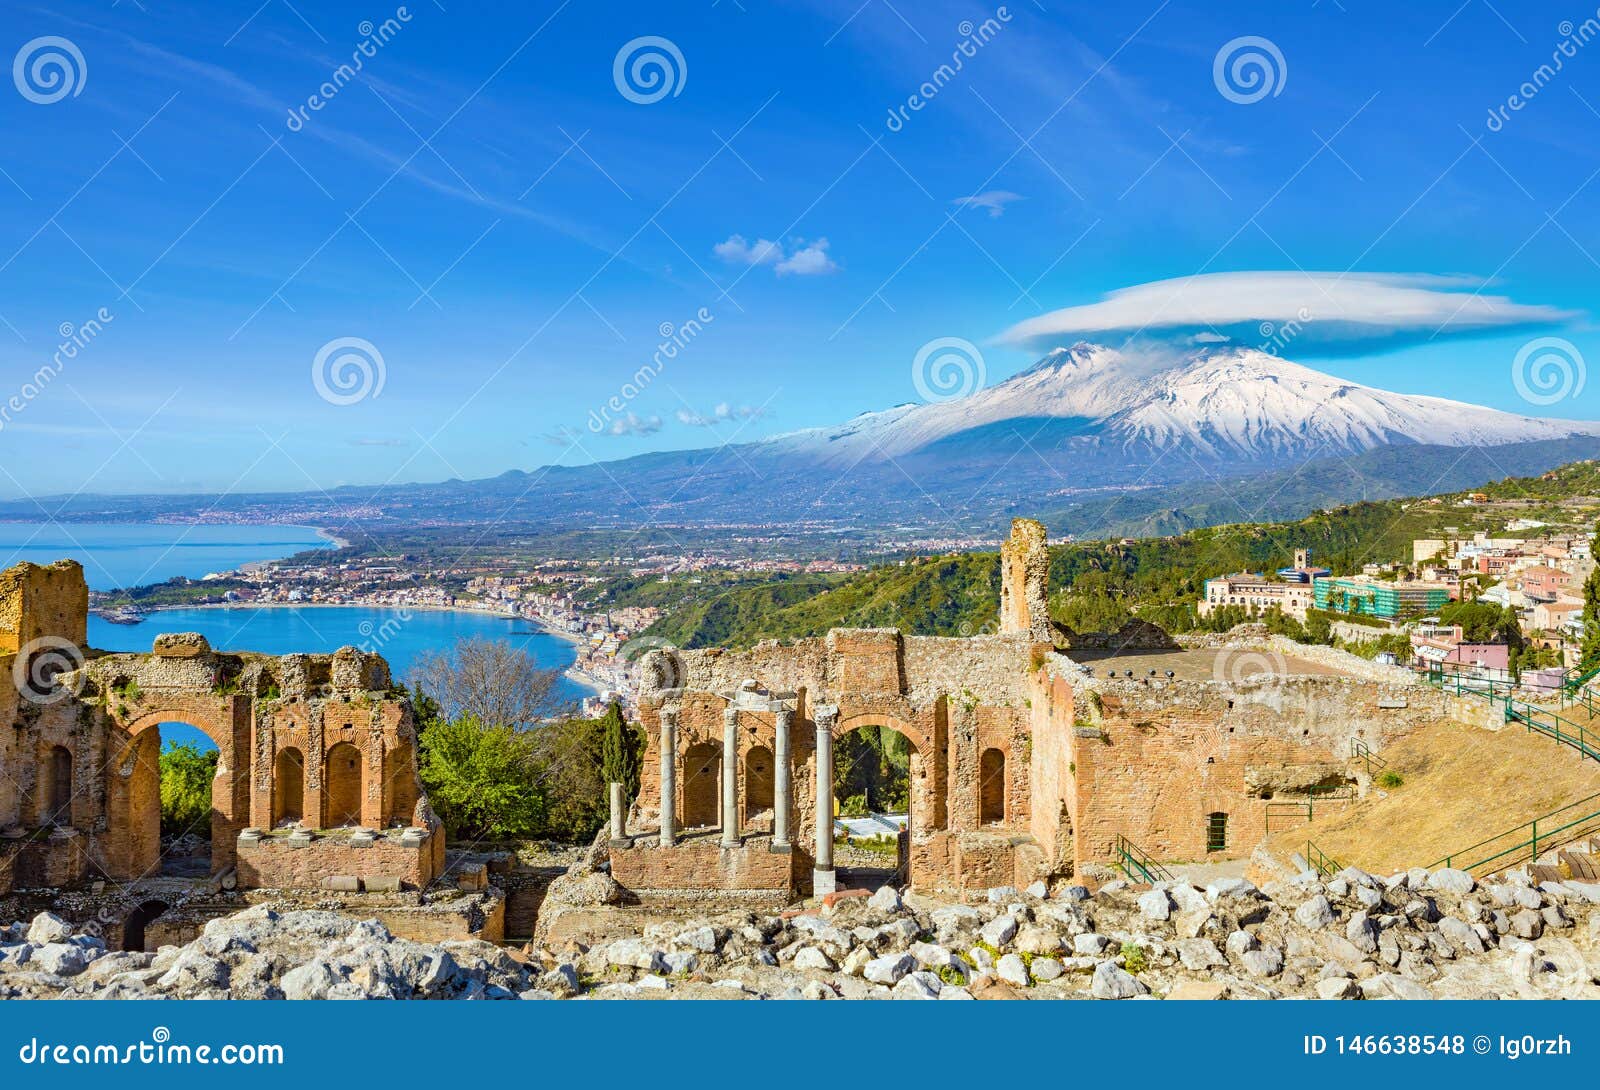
point(730, 777)
point(669, 778)
point(822, 878)
point(619, 822)
point(781, 721)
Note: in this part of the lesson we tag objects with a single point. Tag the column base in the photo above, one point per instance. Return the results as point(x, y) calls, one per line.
point(726, 843)
point(780, 849)
point(621, 842)
point(824, 880)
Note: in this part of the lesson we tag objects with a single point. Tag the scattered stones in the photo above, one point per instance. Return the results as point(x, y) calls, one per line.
point(1110, 982)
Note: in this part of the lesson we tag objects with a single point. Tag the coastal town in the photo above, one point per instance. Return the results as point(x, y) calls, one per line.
point(563, 597)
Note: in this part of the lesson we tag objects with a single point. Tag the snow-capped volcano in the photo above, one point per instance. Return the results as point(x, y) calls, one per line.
point(1227, 404)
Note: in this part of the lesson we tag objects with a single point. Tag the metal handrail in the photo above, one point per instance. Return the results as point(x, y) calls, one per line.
point(1321, 862)
point(1577, 735)
point(1589, 809)
point(1360, 751)
point(1131, 858)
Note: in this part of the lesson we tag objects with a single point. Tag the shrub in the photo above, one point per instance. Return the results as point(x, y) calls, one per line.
point(1389, 780)
point(186, 775)
point(1133, 957)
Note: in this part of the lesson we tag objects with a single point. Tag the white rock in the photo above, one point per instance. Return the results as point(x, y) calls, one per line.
point(918, 986)
point(635, 954)
point(889, 969)
point(1013, 970)
point(1155, 905)
point(1338, 988)
point(1315, 914)
point(999, 931)
point(48, 927)
point(1089, 944)
point(812, 958)
point(886, 899)
point(1449, 880)
point(59, 959)
point(1110, 982)
point(1044, 969)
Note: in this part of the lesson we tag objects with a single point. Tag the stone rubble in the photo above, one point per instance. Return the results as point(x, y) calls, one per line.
point(1413, 935)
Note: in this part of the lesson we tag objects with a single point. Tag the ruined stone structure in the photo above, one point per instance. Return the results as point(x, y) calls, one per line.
point(316, 783)
point(1024, 762)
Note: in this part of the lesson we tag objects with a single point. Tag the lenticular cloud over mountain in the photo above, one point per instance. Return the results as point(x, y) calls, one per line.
point(1328, 313)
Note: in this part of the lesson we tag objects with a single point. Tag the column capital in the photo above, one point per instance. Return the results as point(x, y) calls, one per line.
point(669, 718)
point(783, 715)
point(730, 715)
point(826, 717)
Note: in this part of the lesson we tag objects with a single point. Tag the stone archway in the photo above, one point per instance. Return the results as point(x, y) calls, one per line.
point(288, 787)
point(133, 928)
point(133, 841)
point(880, 855)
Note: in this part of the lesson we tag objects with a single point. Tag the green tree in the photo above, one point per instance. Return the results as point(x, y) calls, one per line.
point(186, 775)
point(1589, 649)
point(482, 780)
point(621, 752)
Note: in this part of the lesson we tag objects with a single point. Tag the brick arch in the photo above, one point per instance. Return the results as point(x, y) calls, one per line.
point(210, 717)
point(920, 742)
point(138, 848)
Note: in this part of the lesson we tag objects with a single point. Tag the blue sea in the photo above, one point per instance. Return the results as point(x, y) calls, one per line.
point(115, 555)
point(127, 555)
point(400, 636)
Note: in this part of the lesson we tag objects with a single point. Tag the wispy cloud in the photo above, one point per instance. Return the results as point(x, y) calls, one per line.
point(802, 259)
point(740, 252)
point(633, 424)
point(1333, 313)
point(995, 200)
point(723, 413)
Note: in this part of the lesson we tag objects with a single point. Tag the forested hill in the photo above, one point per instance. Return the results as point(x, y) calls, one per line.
point(1097, 585)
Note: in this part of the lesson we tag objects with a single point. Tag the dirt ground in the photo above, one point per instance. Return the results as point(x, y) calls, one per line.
point(1459, 785)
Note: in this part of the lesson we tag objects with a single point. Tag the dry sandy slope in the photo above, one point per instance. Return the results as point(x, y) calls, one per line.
point(1461, 785)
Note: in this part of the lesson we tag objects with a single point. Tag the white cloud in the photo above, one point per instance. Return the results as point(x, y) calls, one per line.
point(1333, 313)
point(995, 200)
point(723, 413)
point(740, 252)
point(633, 424)
point(808, 260)
point(803, 259)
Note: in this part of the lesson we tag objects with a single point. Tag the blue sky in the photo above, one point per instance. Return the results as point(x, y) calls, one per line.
point(485, 207)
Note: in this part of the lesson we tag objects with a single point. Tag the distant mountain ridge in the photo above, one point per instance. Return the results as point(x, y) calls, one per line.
point(1090, 438)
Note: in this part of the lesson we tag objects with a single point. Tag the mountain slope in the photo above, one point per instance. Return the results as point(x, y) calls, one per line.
point(1090, 438)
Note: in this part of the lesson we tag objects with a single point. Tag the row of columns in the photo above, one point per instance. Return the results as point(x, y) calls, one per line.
point(782, 789)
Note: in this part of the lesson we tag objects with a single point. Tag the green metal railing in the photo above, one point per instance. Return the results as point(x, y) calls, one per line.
point(1554, 725)
point(1321, 862)
point(1304, 809)
point(1360, 751)
point(1137, 864)
point(1523, 843)
point(1575, 684)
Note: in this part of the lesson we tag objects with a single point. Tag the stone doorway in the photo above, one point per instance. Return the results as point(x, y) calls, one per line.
point(133, 928)
point(872, 778)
